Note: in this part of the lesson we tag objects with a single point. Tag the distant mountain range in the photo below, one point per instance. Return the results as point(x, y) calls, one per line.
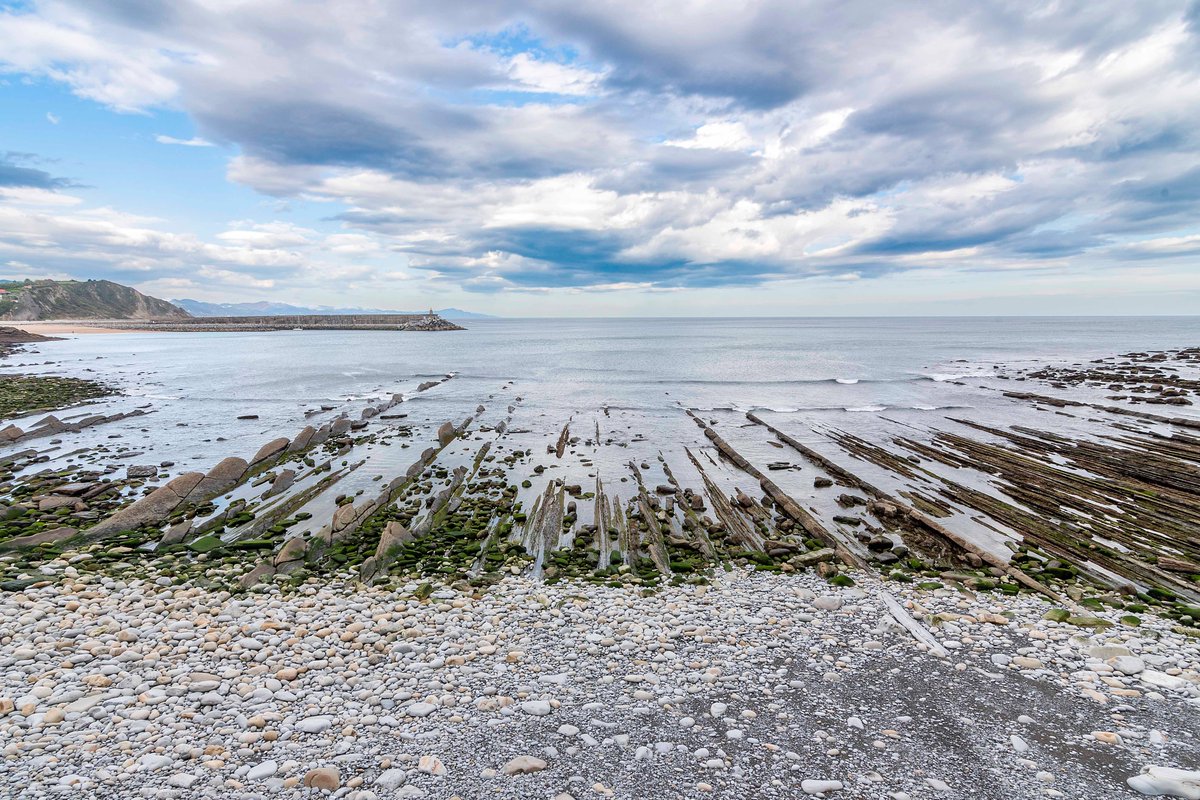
point(199, 308)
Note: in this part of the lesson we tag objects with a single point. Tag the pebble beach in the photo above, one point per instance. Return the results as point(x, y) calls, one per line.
point(756, 686)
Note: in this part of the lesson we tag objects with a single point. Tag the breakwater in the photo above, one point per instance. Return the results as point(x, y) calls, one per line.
point(323, 322)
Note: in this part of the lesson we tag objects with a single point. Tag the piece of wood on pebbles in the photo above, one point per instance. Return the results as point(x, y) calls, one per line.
point(919, 633)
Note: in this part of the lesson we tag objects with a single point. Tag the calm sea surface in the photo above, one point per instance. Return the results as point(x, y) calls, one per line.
point(820, 370)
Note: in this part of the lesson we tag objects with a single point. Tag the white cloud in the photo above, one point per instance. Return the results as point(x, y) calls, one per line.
point(635, 146)
point(195, 141)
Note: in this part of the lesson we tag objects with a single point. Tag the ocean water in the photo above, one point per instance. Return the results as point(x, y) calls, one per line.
point(623, 387)
point(816, 368)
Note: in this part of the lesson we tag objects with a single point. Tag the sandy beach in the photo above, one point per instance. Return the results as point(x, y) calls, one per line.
point(72, 327)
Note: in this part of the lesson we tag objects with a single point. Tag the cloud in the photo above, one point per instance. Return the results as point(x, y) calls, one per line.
point(13, 174)
point(195, 141)
point(52, 118)
point(529, 145)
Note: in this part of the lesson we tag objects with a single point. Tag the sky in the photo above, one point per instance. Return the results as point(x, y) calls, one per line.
point(633, 157)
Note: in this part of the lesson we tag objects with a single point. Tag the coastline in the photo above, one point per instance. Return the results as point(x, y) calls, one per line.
point(744, 601)
point(76, 327)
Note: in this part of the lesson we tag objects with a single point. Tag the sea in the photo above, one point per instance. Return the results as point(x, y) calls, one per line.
point(623, 388)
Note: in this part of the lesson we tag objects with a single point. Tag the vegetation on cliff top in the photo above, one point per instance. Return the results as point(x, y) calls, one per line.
point(41, 300)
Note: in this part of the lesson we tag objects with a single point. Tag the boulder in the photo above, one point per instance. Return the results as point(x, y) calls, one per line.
point(339, 426)
point(11, 433)
point(270, 450)
point(141, 471)
point(393, 534)
point(815, 557)
point(42, 537)
point(221, 478)
point(74, 488)
point(343, 517)
point(151, 509)
point(302, 439)
point(523, 765)
point(256, 575)
point(446, 433)
point(53, 501)
point(182, 485)
point(293, 550)
point(176, 533)
point(324, 778)
point(282, 483)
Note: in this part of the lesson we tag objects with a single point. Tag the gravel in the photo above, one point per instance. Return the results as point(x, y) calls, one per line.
point(759, 686)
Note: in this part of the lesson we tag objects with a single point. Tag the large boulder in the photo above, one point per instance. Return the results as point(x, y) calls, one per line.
point(320, 436)
point(344, 517)
point(151, 509)
point(302, 439)
point(53, 501)
point(393, 534)
point(293, 550)
point(270, 450)
point(446, 433)
point(42, 537)
point(282, 483)
point(257, 575)
point(176, 533)
point(221, 478)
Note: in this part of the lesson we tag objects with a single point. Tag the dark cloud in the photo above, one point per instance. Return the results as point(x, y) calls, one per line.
point(13, 174)
point(312, 132)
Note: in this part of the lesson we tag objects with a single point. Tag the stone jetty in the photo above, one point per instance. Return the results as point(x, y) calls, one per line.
point(307, 322)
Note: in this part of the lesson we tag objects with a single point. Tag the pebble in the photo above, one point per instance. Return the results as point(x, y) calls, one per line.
point(820, 787)
point(314, 725)
point(522, 765)
point(537, 708)
point(326, 778)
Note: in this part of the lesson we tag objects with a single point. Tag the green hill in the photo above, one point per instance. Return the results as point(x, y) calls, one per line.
point(42, 300)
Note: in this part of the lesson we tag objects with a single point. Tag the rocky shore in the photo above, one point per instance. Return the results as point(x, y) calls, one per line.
point(385, 603)
point(27, 394)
